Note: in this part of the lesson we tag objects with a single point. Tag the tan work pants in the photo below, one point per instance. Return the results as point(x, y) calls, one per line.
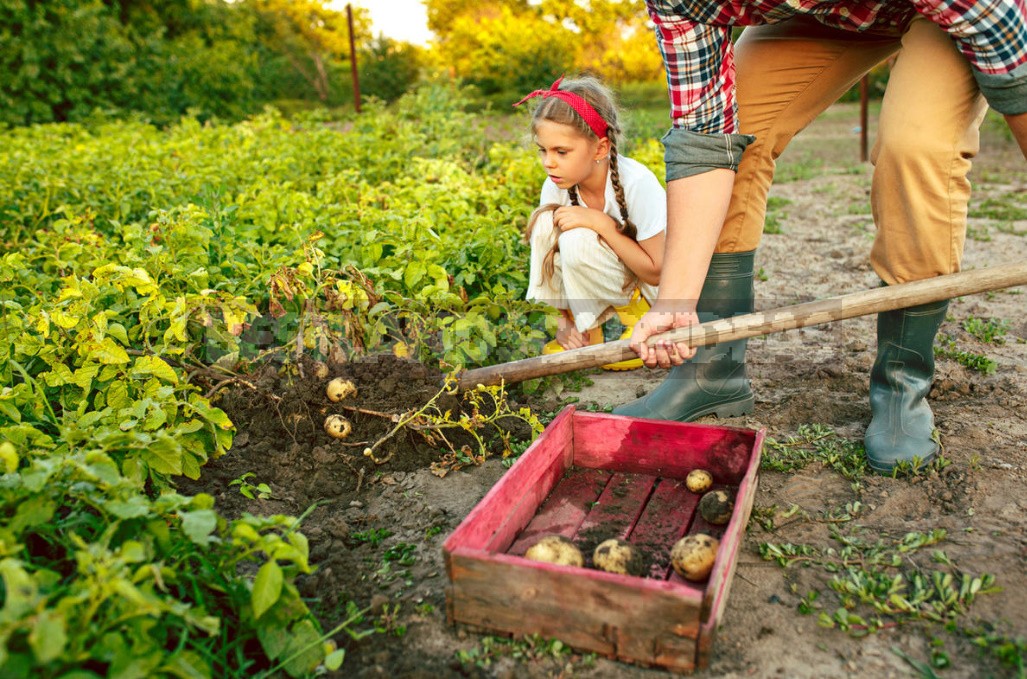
point(789, 73)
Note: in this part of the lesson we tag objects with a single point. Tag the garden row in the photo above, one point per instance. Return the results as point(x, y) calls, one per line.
point(141, 263)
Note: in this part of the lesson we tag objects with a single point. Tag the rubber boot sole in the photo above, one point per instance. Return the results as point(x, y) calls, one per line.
point(726, 409)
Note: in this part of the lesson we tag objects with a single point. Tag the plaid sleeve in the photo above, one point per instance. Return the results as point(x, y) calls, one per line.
point(700, 73)
point(992, 34)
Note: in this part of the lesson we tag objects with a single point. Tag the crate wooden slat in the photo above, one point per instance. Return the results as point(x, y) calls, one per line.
point(565, 508)
point(588, 477)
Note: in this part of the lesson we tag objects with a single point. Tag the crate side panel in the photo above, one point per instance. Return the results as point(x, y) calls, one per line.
point(667, 449)
point(721, 578)
point(525, 507)
point(535, 473)
point(565, 508)
point(628, 618)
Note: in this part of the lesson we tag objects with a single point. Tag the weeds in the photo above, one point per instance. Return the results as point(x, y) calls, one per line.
point(945, 347)
point(260, 491)
point(878, 582)
point(372, 537)
point(989, 331)
point(528, 648)
point(816, 443)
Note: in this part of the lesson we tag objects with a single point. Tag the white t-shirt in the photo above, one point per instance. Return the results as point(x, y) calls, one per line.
point(645, 196)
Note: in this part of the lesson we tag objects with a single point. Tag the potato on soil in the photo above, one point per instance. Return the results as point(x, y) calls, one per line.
point(337, 426)
point(693, 555)
point(556, 549)
point(699, 480)
point(339, 389)
point(618, 556)
point(716, 507)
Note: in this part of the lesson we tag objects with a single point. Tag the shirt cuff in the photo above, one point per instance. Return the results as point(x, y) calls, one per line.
point(1005, 92)
point(688, 153)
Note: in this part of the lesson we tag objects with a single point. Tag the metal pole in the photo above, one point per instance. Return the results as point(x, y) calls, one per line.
point(864, 95)
point(353, 59)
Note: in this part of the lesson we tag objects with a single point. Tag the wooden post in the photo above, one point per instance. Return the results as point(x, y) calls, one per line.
point(864, 95)
point(353, 58)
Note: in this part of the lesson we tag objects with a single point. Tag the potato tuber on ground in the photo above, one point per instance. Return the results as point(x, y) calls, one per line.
point(337, 426)
point(339, 388)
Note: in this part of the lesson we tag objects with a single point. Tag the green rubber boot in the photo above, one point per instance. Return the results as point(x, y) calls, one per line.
point(901, 423)
point(713, 382)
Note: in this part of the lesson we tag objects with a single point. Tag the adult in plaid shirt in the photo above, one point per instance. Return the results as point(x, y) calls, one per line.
point(953, 58)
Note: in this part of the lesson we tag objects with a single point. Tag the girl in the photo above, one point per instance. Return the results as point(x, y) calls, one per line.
point(597, 237)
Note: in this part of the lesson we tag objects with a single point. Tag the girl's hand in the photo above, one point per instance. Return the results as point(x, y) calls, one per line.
point(665, 353)
point(578, 217)
point(567, 335)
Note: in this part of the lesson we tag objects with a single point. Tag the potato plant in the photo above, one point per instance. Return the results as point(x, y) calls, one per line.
point(140, 267)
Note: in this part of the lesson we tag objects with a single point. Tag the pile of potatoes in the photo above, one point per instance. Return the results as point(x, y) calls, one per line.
point(613, 555)
point(692, 557)
point(338, 389)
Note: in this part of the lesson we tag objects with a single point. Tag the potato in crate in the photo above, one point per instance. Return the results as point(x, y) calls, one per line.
point(610, 491)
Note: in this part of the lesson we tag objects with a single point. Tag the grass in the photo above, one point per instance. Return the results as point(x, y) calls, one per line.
point(816, 443)
point(534, 649)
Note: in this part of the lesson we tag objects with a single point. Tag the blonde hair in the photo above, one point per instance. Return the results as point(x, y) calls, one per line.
point(556, 110)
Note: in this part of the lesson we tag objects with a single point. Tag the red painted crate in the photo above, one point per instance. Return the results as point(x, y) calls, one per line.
point(590, 477)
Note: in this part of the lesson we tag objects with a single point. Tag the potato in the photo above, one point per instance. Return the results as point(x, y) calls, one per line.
point(320, 370)
point(618, 556)
point(339, 389)
point(699, 480)
point(337, 426)
point(716, 507)
point(693, 555)
point(555, 549)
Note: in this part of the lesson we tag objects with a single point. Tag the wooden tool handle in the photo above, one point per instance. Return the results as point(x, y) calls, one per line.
point(818, 312)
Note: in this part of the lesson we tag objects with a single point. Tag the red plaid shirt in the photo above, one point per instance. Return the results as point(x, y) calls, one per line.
point(695, 39)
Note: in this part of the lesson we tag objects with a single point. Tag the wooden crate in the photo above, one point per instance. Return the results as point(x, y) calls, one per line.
point(590, 477)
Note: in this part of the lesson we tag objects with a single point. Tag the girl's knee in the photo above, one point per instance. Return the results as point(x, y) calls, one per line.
point(579, 246)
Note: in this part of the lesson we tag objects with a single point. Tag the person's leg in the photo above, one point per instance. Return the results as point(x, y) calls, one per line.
point(787, 74)
point(928, 134)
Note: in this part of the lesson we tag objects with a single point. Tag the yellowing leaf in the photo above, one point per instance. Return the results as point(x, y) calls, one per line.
point(145, 366)
point(401, 350)
point(267, 588)
point(8, 457)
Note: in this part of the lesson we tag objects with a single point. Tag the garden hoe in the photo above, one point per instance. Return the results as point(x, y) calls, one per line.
point(817, 312)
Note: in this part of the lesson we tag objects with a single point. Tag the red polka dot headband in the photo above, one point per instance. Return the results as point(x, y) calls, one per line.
point(583, 108)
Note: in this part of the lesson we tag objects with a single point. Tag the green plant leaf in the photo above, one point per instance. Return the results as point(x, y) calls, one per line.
point(199, 525)
point(267, 587)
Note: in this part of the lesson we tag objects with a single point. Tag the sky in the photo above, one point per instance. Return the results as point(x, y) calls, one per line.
point(404, 20)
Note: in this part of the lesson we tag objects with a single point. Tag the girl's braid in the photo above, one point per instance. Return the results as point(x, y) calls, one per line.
point(627, 227)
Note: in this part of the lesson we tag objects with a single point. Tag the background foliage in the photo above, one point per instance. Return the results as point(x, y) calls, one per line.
point(74, 60)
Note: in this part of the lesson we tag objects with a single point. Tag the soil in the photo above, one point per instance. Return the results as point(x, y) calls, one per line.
point(376, 530)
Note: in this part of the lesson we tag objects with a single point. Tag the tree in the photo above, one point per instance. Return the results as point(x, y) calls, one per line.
point(388, 68)
point(64, 59)
point(309, 36)
point(500, 49)
point(614, 38)
point(513, 45)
